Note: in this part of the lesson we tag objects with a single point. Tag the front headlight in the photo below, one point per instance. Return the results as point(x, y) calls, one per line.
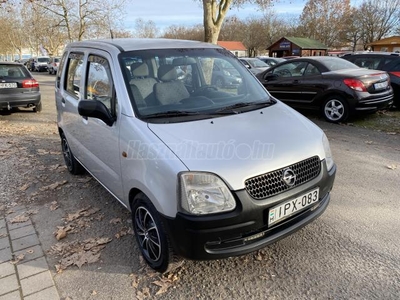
point(204, 193)
point(328, 153)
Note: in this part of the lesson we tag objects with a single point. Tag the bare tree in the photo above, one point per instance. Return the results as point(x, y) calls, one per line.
point(324, 20)
point(145, 29)
point(214, 13)
point(378, 19)
point(195, 33)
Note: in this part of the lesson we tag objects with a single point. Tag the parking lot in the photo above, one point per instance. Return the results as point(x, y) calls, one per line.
point(350, 252)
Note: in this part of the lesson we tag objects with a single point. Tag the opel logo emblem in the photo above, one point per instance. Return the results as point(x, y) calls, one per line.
point(289, 177)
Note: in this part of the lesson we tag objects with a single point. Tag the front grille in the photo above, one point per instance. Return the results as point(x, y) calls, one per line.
point(270, 184)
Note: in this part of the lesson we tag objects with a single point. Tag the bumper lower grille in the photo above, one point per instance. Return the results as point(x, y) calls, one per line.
point(270, 184)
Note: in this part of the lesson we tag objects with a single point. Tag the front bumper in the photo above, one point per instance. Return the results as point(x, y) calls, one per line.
point(245, 229)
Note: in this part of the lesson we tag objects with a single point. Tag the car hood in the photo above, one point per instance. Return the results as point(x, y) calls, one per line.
point(240, 146)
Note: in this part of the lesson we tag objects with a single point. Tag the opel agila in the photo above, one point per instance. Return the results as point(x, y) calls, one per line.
point(207, 171)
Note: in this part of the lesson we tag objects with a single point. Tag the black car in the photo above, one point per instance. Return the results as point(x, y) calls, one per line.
point(18, 88)
point(332, 85)
point(385, 61)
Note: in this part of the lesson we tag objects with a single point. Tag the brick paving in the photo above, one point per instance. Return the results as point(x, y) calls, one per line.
point(24, 272)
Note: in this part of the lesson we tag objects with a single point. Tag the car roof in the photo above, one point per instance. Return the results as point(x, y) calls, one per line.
point(131, 44)
point(10, 63)
point(372, 53)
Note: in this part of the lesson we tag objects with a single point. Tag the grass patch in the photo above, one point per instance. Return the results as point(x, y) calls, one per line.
point(386, 120)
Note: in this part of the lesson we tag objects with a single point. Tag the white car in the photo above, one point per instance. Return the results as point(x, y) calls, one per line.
point(207, 172)
point(52, 65)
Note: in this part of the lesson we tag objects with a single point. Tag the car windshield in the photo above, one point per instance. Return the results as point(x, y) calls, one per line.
point(335, 64)
point(257, 63)
point(43, 59)
point(185, 84)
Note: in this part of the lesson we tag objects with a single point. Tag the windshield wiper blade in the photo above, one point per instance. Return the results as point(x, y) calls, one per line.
point(171, 113)
point(231, 108)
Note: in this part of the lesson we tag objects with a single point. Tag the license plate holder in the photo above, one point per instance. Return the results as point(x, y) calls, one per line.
point(291, 207)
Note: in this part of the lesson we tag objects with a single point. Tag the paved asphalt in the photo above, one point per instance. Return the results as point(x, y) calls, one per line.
point(351, 252)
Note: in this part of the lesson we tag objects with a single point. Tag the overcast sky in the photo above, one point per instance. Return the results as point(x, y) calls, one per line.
point(190, 12)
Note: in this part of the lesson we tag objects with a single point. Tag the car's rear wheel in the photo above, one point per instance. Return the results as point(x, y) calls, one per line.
point(150, 235)
point(335, 109)
point(38, 107)
point(73, 166)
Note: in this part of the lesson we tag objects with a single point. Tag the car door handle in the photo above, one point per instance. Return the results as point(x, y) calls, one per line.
point(63, 102)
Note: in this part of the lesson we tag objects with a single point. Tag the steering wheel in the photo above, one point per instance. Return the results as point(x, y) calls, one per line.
point(284, 72)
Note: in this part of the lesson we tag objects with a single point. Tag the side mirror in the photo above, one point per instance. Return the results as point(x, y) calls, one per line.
point(270, 77)
point(95, 109)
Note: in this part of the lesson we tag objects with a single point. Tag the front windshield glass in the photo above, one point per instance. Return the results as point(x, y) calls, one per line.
point(257, 63)
point(335, 64)
point(189, 84)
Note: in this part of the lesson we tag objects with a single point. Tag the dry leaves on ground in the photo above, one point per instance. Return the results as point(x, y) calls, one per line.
point(391, 167)
point(53, 186)
point(19, 219)
point(78, 252)
point(25, 187)
point(54, 205)
point(124, 231)
point(17, 259)
point(165, 283)
point(116, 221)
point(85, 212)
point(3, 235)
point(143, 294)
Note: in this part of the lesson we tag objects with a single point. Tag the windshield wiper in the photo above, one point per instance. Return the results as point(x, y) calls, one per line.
point(231, 108)
point(171, 113)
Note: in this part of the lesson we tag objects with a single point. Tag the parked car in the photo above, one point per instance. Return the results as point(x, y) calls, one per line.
point(255, 65)
point(18, 88)
point(271, 61)
point(40, 63)
point(385, 61)
point(225, 75)
point(52, 65)
point(332, 85)
point(207, 173)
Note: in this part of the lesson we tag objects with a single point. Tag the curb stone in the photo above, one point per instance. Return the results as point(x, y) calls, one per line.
point(30, 278)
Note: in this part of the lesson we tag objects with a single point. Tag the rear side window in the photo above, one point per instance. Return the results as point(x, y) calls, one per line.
point(74, 74)
point(396, 67)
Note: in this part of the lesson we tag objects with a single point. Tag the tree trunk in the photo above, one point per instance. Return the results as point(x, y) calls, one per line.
point(213, 16)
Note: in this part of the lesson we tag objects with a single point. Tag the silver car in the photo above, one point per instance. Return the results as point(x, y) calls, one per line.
point(207, 172)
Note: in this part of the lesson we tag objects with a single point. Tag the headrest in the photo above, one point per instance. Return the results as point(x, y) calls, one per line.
point(167, 73)
point(139, 70)
point(183, 61)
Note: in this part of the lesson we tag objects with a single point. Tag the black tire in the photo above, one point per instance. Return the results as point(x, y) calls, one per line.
point(73, 166)
point(151, 237)
point(38, 107)
point(335, 109)
point(219, 82)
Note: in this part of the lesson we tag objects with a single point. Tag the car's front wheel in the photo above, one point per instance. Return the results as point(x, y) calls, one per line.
point(335, 109)
point(73, 166)
point(150, 235)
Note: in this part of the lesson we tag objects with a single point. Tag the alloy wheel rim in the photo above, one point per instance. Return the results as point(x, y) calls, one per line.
point(66, 154)
point(148, 235)
point(334, 110)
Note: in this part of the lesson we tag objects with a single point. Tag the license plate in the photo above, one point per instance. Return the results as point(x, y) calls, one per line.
point(380, 85)
point(8, 85)
point(291, 207)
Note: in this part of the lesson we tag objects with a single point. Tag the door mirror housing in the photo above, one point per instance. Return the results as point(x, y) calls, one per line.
point(95, 109)
point(270, 77)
